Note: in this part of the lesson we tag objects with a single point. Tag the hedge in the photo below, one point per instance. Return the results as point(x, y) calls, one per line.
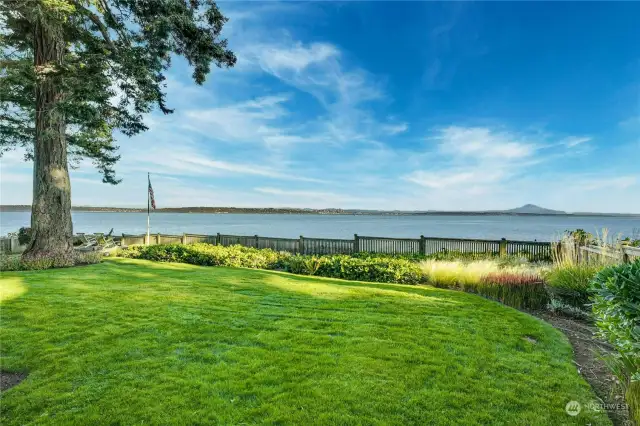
point(517, 290)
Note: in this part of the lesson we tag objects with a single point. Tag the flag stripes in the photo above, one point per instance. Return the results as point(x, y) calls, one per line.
point(151, 197)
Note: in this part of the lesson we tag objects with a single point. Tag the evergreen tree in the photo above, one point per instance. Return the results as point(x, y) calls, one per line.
point(74, 71)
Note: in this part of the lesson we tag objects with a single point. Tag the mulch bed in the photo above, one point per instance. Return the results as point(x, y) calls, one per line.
point(586, 350)
point(9, 380)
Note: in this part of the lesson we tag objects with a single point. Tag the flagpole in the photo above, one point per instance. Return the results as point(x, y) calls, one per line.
point(148, 205)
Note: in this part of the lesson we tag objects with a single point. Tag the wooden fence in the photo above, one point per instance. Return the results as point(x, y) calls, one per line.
point(623, 254)
point(533, 250)
point(11, 245)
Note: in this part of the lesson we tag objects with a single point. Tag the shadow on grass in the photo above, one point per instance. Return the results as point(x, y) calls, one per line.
point(251, 282)
point(320, 287)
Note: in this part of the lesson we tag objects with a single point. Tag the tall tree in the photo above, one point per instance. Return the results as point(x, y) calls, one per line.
point(74, 71)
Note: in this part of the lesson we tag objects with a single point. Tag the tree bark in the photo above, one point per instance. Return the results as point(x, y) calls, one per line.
point(51, 225)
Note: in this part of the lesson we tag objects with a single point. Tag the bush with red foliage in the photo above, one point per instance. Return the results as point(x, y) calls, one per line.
point(519, 290)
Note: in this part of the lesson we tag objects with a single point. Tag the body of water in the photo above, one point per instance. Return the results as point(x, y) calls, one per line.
point(540, 228)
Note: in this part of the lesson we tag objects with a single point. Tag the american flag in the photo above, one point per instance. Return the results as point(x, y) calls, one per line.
point(151, 197)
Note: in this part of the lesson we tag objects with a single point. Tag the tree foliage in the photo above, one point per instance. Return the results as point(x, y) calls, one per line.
point(116, 54)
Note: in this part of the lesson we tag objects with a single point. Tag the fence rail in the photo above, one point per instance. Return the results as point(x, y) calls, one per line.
point(533, 250)
point(11, 245)
point(623, 254)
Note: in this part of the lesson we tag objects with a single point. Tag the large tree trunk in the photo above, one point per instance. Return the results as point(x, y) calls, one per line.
point(51, 210)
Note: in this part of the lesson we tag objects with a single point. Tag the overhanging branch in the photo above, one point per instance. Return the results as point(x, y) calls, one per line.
point(96, 20)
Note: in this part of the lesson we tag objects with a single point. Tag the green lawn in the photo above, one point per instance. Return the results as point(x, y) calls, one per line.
point(135, 342)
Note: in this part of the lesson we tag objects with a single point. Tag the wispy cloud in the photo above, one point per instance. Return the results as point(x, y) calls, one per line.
point(252, 121)
point(573, 141)
point(303, 121)
point(620, 182)
point(187, 160)
point(448, 179)
point(295, 58)
point(395, 129)
point(319, 69)
point(472, 158)
point(483, 143)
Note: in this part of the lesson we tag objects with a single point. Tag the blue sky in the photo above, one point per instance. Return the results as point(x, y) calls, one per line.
point(417, 105)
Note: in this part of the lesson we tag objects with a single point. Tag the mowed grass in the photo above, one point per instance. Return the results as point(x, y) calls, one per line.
point(136, 342)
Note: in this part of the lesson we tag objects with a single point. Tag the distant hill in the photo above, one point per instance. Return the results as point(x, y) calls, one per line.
point(526, 210)
point(533, 209)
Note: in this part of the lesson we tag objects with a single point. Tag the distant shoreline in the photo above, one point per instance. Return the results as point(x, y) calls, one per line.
point(347, 212)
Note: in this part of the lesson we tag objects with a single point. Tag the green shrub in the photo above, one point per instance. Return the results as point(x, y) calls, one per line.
point(616, 305)
point(24, 236)
point(616, 308)
point(303, 265)
point(208, 255)
point(511, 259)
point(372, 269)
point(570, 283)
point(377, 269)
point(15, 262)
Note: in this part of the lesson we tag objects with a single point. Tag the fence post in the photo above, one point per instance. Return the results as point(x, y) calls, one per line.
point(257, 240)
point(356, 243)
point(503, 247)
point(218, 239)
point(158, 239)
point(579, 254)
point(625, 256)
point(423, 245)
point(183, 240)
point(301, 245)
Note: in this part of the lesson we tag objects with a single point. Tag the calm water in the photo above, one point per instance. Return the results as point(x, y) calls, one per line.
point(541, 228)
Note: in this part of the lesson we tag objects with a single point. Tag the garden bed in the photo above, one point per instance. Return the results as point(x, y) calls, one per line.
point(587, 349)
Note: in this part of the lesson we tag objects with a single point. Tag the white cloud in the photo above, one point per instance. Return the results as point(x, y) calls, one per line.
point(620, 182)
point(187, 159)
point(483, 143)
point(474, 159)
point(321, 70)
point(449, 179)
point(295, 58)
point(394, 129)
point(8, 177)
point(316, 68)
point(249, 121)
point(293, 112)
point(573, 141)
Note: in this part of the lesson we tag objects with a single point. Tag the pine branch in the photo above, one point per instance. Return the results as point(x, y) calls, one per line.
point(96, 20)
